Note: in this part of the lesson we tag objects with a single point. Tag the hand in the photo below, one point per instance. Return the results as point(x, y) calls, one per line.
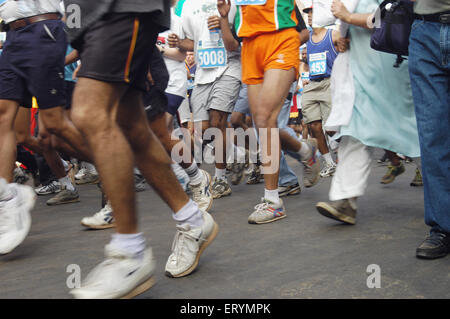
point(213, 22)
point(173, 40)
point(305, 82)
point(339, 10)
point(75, 72)
point(224, 7)
point(343, 44)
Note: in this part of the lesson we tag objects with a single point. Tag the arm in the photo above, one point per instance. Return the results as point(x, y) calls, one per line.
point(231, 44)
point(358, 19)
point(71, 57)
point(172, 53)
point(304, 36)
point(184, 44)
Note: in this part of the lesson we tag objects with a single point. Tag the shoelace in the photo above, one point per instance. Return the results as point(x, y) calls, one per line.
point(102, 211)
point(178, 242)
point(50, 187)
point(436, 238)
point(261, 207)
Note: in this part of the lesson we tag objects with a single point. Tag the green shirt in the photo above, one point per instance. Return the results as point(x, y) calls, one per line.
point(431, 6)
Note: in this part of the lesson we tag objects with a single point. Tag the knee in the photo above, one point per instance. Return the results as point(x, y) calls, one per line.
point(316, 127)
point(45, 141)
point(236, 120)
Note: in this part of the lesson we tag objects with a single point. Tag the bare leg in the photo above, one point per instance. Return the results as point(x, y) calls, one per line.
point(266, 100)
point(317, 132)
point(151, 158)
point(56, 122)
point(111, 151)
point(8, 111)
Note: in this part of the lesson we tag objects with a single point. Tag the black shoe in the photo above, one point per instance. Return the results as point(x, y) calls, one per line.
point(436, 245)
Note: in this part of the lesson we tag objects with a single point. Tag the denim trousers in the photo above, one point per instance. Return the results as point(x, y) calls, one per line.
point(429, 67)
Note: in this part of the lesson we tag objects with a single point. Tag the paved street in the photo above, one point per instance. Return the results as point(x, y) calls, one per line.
point(302, 256)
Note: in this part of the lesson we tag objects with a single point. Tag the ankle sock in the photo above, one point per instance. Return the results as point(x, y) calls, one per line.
point(130, 243)
point(67, 182)
point(221, 173)
point(272, 195)
point(327, 157)
point(304, 151)
point(5, 192)
point(189, 214)
point(194, 173)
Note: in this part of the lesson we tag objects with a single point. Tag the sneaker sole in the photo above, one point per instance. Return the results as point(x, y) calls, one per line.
point(99, 226)
point(146, 285)
point(65, 202)
point(330, 212)
point(267, 221)
point(294, 191)
point(227, 193)
point(30, 201)
point(211, 237)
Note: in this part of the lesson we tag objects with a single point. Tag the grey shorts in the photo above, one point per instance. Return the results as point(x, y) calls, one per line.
point(221, 95)
point(242, 105)
point(184, 111)
point(316, 101)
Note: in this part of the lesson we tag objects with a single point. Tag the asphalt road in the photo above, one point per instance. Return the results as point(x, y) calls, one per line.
point(302, 256)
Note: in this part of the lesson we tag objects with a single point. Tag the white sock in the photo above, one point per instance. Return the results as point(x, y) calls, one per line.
point(304, 150)
point(194, 174)
point(89, 167)
point(240, 154)
point(67, 182)
point(179, 171)
point(131, 243)
point(5, 193)
point(189, 214)
point(65, 164)
point(328, 158)
point(272, 195)
point(221, 173)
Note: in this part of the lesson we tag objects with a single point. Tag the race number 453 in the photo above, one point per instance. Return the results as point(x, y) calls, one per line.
point(318, 63)
point(212, 57)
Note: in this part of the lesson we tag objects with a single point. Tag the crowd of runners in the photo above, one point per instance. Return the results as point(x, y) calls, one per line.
point(121, 93)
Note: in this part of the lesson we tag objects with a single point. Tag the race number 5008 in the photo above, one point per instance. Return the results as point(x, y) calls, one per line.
point(211, 57)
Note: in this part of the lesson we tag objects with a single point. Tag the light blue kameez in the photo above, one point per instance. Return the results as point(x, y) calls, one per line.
point(383, 113)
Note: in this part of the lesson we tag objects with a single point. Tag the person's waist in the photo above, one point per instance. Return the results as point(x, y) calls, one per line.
point(319, 78)
point(23, 22)
point(441, 17)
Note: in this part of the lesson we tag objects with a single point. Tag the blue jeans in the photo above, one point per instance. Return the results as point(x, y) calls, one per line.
point(429, 67)
point(287, 176)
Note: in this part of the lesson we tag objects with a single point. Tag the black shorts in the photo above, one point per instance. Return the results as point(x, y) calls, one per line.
point(32, 64)
point(155, 99)
point(117, 48)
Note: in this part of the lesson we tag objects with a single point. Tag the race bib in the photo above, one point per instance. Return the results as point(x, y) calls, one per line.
point(212, 57)
point(250, 2)
point(317, 63)
point(305, 76)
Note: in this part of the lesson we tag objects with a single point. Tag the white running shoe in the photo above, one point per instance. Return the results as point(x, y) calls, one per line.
point(328, 170)
point(188, 245)
point(100, 220)
point(52, 188)
point(79, 175)
point(120, 275)
point(201, 193)
point(15, 218)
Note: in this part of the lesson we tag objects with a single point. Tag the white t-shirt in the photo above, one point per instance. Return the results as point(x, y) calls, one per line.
point(13, 10)
point(194, 15)
point(177, 70)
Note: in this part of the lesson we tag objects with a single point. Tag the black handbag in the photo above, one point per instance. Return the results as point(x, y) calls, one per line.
point(393, 22)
